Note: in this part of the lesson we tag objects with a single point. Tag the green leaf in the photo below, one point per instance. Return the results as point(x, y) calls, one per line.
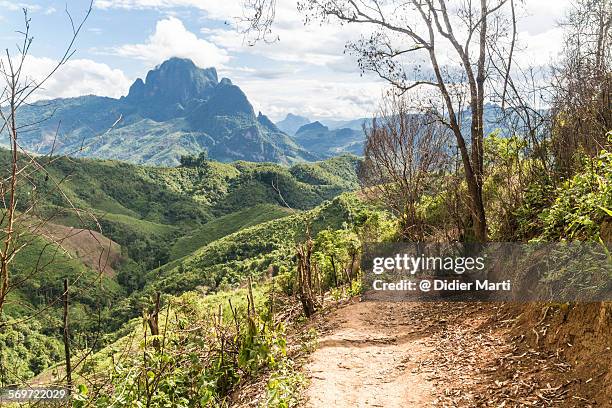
point(607, 211)
point(82, 389)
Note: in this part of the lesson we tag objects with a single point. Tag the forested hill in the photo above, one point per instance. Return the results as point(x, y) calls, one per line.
point(145, 217)
point(133, 202)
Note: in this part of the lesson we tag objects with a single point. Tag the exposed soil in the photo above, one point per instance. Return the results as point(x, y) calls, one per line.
point(98, 252)
point(404, 354)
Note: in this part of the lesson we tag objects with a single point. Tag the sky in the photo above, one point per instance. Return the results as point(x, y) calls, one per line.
point(305, 71)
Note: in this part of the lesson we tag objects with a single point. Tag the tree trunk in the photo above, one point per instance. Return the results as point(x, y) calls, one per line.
point(473, 169)
point(154, 322)
point(477, 212)
point(67, 339)
point(304, 278)
point(333, 264)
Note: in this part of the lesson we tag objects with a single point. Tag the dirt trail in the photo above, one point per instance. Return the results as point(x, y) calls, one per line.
point(400, 354)
point(365, 362)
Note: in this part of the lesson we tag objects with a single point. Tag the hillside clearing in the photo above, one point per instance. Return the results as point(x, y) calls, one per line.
point(96, 251)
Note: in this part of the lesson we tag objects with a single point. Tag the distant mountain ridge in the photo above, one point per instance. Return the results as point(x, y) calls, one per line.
point(178, 109)
point(292, 123)
point(181, 109)
point(355, 124)
point(331, 137)
point(313, 127)
point(326, 137)
point(319, 139)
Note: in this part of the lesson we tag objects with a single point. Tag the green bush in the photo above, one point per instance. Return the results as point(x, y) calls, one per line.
point(198, 358)
point(580, 205)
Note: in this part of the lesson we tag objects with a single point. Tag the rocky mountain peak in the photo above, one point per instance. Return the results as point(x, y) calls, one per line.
point(176, 80)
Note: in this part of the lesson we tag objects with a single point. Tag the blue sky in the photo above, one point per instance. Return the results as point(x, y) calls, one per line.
point(306, 72)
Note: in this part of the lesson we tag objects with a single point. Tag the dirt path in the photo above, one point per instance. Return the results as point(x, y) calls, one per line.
point(365, 362)
point(399, 354)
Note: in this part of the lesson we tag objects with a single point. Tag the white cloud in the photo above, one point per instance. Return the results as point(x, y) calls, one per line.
point(540, 49)
point(537, 16)
point(313, 46)
point(331, 97)
point(144, 4)
point(305, 44)
point(172, 39)
point(214, 8)
point(18, 6)
point(77, 77)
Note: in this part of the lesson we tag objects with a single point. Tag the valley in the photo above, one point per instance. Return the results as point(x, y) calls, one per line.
point(188, 220)
point(221, 253)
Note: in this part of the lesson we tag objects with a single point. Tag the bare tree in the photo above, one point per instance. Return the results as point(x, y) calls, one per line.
point(583, 84)
point(18, 189)
point(28, 183)
point(431, 30)
point(406, 155)
point(258, 20)
point(306, 271)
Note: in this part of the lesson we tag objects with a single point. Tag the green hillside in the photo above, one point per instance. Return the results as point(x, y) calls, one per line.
point(144, 209)
point(29, 328)
point(184, 195)
point(166, 222)
point(217, 337)
point(225, 225)
point(252, 251)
